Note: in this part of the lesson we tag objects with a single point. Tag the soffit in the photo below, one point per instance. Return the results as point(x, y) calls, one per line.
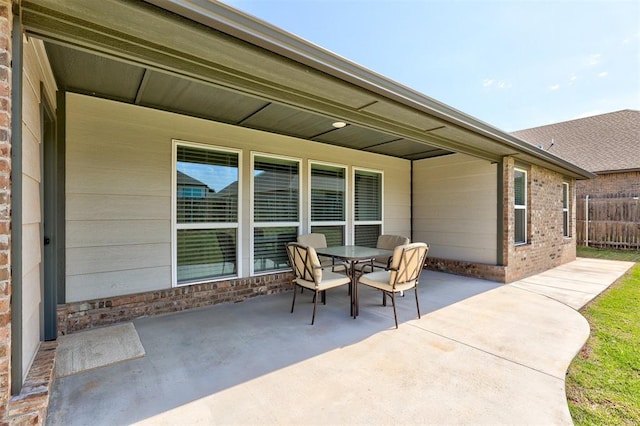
point(198, 70)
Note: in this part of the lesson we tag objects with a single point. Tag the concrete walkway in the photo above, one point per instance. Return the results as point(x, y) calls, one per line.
point(483, 353)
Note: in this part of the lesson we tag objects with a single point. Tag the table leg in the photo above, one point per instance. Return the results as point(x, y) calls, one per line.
point(354, 289)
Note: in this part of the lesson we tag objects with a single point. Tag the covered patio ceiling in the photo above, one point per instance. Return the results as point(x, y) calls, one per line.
point(208, 60)
point(89, 73)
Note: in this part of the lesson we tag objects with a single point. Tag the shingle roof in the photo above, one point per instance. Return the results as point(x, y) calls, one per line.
point(601, 143)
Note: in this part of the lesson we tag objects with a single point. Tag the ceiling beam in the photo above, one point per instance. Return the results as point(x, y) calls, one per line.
point(143, 84)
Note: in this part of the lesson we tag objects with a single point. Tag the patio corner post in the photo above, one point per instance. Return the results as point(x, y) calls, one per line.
point(6, 24)
point(15, 183)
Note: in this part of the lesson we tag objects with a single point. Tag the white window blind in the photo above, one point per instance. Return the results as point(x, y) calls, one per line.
point(276, 210)
point(269, 247)
point(206, 213)
point(327, 193)
point(520, 204)
point(368, 195)
point(197, 171)
point(328, 202)
point(276, 190)
point(367, 207)
point(205, 253)
point(334, 235)
point(367, 235)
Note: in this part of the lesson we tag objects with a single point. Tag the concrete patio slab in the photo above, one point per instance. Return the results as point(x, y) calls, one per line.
point(482, 353)
point(392, 377)
point(516, 325)
point(572, 298)
point(575, 283)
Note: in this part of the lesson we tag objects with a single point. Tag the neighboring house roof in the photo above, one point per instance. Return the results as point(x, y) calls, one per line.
point(184, 179)
point(601, 143)
point(266, 181)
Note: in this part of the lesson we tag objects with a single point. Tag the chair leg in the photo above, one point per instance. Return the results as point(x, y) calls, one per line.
point(295, 290)
point(315, 303)
point(384, 298)
point(417, 303)
point(393, 301)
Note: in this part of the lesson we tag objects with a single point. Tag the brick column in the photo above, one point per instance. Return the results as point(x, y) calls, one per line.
point(508, 216)
point(5, 205)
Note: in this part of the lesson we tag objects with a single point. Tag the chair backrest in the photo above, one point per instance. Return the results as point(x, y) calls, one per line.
point(304, 262)
point(407, 263)
point(389, 242)
point(313, 240)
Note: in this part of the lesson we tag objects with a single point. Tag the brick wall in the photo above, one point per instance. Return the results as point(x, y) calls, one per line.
point(467, 269)
point(5, 205)
point(546, 247)
point(30, 406)
point(610, 184)
point(78, 316)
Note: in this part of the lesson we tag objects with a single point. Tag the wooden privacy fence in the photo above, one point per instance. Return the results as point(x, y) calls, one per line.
point(613, 222)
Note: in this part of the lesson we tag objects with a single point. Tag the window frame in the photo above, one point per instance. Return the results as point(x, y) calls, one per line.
point(566, 208)
point(175, 226)
point(356, 222)
point(344, 223)
point(521, 206)
point(253, 224)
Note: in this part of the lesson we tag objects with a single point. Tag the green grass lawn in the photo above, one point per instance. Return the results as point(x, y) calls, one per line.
point(603, 381)
point(628, 255)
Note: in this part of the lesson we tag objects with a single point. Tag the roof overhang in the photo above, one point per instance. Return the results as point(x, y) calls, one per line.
point(263, 78)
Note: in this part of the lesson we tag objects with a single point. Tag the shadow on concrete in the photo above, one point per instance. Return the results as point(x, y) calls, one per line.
point(190, 355)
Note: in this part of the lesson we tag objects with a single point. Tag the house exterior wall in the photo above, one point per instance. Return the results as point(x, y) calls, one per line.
point(5, 205)
point(118, 190)
point(455, 208)
point(625, 184)
point(546, 246)
point(35, 73)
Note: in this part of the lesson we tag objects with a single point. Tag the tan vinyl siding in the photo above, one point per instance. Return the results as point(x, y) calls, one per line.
point(455, 207)
point(118, 282)
point(118, 232)
point(36, 72)
point(119, 170)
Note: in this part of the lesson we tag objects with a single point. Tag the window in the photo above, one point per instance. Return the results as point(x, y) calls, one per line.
point(327, 202)
point(276, 210)
point(367, 206)
point(520, 202)
point(565, 210)
point(205, 213)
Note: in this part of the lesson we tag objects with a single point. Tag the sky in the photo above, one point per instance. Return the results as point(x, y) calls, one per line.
point(513, 64)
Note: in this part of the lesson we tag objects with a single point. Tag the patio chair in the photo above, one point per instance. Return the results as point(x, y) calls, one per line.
point(309, 273)
point(403, 274)
point(317, 241)
point(385, 241)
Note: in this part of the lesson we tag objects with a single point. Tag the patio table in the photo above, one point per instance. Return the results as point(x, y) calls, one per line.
point(353, 255)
